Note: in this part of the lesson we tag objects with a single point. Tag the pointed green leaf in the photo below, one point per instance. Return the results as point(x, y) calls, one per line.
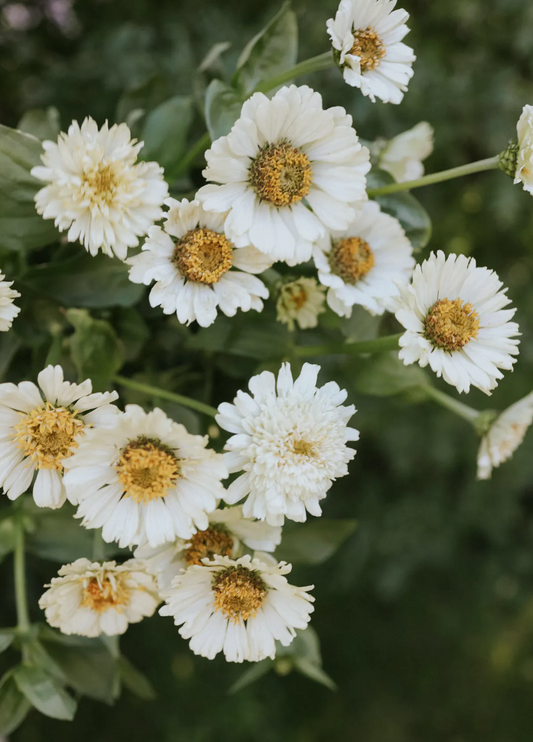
point(134, 680)
point(384, 374)
point(41, 123)
point(165, 132)
point(253, 673)
point(14, 706)
point(6, 639)
point(88, 667)
point(315, 541)
point(314, 672)
point(222, 108)
point(95, 348)
point(45, 693)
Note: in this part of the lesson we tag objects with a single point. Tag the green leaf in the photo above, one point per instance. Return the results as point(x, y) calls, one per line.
point(315, 541)
point(385, 374)
point(253, 673)
point(132, 330)
point(144, 97)
point(9, 345)
point(95, 348)
point(41, 123)
point(134, 680)
point(314, 672)
point(45, 693)
point(87, 666)
point(361, 325)
point(222, 108)
point(6, 639)
point(8, 534)
point(14, 706)
point(165, 132)
point(59, 537)
point(262, 342)
point(272, 51)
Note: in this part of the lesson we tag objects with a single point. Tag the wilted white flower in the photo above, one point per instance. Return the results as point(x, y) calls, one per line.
point(363, 264)
point(290, 442)
point(239, 607)
point(8, 311)
point(195, 272)
point(524, 163)
point(89, 599)
point(403, 155)
point(228, 532)
point(367, 40)
point(504, 436)
point(287, 170)
point(38, 432)
point(455, 321)
point(300, 302)
point(96, 190)
point(144, 479)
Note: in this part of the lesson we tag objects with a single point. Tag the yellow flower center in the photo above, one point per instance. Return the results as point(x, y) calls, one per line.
point(304, 448)
point(281, 174)
point(46, 435)
point(203, 256)
point(239, 593)
point(369, 46)
point(147, 469)
point(351, 259)
point(450, 325)
point(100, 183)
point(102, 593)
point(207, 544)
point(297, 298)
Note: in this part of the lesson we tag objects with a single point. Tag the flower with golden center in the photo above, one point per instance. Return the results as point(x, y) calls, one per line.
point(90, 599)
point(300, 302)
point(455, 320)
point(241, 607)
point(39, 430)
point(281, 174)
point(8, 310)
point(196, 268)
point(145, 480)
point(504, 436)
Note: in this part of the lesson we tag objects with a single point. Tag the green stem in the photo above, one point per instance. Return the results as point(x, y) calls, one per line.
point(379, 345)
point(458, 408)
point(321, 62)
point(197, 149)
point(492, 163)
point(23, 618)
point(155, 391)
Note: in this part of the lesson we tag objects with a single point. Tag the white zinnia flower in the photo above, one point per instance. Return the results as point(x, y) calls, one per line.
point(363, 264)
point(504, 436)
point(403, 155)
point(192, 262)
point(300, 302)
point(524, 163)
point(145, 479)
point(38, 433)
point(455, 321)
point(291, 444)
point(239, 607)
point(367, 40)
point(8, 311)
point(90, 599)
point(287, 170)
point(96, 190)
point(228, 532)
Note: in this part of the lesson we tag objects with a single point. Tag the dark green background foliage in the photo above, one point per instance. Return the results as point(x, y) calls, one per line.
point(425, 615)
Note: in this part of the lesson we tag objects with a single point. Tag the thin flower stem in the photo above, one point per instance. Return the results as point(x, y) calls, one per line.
point(458, 408)
point(314, 64)
point(379, 345)
point(197, 149)
point(21, 599)
point(491, 163)
point(158, 393)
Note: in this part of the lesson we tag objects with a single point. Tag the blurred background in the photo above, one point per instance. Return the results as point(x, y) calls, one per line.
point(425, 615)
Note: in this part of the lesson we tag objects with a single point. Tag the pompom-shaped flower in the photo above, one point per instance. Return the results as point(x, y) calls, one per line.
point(228, 532)
point(403, 155)
point(145, 479)
point(97, 190)
point(363, 264)
point(367, 40)
point(524, 155)
point(193, 264)
point(39, 431)
point(89, 599)
point(290, 442)
point(8, 311)
point(300, 302)
point(455, 321)
point(287, 170)
point(504, 436)
point(239, 607)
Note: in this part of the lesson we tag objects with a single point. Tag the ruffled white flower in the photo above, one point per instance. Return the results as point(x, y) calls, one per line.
point(8, 310)
point(524, 163)
point(363, 264)
point(89, 599)
point(239, 607)
point(287, 170)
point(455, 321)
point(39, 431)
point(144, 479)
point(403, 155)
point(228, 533)
point(300, 302)
point(367, 40)
point(97, 190)
point(290, 442)
point(504, 436)
point(193, 264)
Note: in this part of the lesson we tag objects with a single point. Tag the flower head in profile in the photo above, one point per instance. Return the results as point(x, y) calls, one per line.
point(287, 171)
point(239, 607)
point(40, 429)
point(300, 302)
point(403, 155)
point(367, 41)
point(522, 154)
point(455, 320)
point(289, 441)
point(504, 436)
point(8, 310)
point(97, 190)
point(196, 268)
point(363, 264)
point(90, 599)
point(145, 479)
